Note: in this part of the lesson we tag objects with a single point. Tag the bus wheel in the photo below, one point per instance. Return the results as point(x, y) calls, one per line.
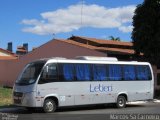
point(49, 106)
point(121, 102)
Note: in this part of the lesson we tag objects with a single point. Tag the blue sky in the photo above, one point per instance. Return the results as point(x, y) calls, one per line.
point(34, 21)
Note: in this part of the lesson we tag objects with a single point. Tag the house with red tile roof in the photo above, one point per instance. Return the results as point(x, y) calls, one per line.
point(7, 55)
point(9, 70)
point(119, 49)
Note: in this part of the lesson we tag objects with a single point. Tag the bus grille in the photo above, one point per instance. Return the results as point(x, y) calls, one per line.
point(17, 101)
point(17, 97)
point(18, 94)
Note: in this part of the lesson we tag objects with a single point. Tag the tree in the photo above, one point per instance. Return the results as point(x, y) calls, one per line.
point(146, 30)
point(114, 39)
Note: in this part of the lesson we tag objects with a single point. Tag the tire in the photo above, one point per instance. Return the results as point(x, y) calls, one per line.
point(121, 102)
point(49, 106)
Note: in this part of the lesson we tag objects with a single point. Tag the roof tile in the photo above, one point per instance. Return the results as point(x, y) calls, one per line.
point(102, 41)
point(119, 50)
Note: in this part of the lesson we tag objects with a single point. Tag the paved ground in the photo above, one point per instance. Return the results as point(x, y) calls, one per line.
point(134, 111)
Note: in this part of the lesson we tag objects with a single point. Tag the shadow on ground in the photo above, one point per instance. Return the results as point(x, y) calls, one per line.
point(21, 110)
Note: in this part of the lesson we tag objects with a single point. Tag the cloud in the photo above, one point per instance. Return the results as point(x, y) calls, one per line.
point(69, 19)
point(126, 29)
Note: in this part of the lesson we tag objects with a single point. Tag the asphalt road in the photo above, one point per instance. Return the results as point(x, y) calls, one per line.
point(143, 111)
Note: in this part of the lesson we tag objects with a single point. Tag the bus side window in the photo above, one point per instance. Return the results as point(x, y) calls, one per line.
point(49, 74)
point(83, 72)
point(67, 72)
point(143, 73)
point(99, 72)
point(129, 72)
point(115, 72)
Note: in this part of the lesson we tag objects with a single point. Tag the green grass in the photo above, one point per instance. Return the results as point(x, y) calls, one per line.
point(5, 96)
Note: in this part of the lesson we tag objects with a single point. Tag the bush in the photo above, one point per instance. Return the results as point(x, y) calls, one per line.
point(5, 96)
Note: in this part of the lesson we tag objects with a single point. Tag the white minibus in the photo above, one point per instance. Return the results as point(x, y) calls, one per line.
point(56, 82)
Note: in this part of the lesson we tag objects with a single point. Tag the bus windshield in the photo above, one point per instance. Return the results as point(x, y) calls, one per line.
point(30, 73)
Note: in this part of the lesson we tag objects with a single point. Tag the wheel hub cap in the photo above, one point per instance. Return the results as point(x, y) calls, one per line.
point(49, 106)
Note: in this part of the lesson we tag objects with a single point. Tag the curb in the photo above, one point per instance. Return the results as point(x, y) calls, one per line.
point(149, 101)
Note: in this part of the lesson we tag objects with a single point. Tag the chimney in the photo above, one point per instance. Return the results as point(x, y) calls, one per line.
point(21, 50)
point(9, 48)
point(25, 45)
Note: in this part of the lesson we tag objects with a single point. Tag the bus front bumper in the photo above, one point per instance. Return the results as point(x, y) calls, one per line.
point(24, 99)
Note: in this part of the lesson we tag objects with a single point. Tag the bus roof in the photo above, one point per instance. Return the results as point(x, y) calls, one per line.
point(101, 60)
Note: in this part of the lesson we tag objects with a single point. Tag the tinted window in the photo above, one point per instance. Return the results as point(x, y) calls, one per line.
point(68, 72)
point(129, 72)
point(115, 72)
point(82, 72)
point(143, 72)
point(49, 74)
point(96, 72)
point(99, 72)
